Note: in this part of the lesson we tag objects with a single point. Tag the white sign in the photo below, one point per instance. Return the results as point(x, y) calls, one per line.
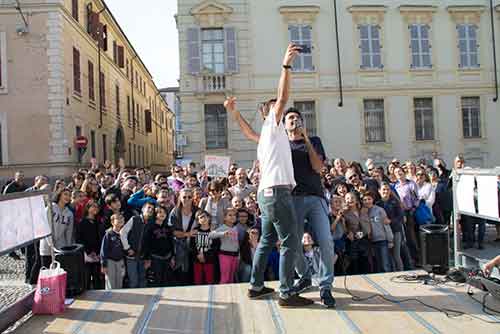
point(465, 194)
point(21, 221)
point(217, 166)
point(487, 195)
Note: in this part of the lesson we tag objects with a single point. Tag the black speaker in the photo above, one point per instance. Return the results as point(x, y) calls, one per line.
point(435, 247)
point(72, 261)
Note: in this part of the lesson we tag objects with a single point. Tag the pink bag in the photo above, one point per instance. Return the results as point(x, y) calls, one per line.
point(50, 291)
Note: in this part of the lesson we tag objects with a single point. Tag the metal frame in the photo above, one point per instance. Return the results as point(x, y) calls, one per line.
point(461, 257)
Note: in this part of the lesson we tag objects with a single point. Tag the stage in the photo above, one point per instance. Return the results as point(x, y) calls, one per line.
point(226, 309)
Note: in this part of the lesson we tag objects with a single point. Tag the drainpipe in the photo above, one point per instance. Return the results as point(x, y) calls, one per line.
point(133, 100)
point(494, 50)
point(341, 102)
point(99, 69)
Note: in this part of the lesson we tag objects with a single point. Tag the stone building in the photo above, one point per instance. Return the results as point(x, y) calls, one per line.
point(67, 70)
point(417, 76)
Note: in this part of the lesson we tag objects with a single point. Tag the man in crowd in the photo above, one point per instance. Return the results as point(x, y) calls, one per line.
point(242, 189)
point(275, 200)
point(309, 201)
point(17, 185)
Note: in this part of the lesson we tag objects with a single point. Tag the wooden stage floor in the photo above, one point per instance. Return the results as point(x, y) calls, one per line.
point(225, 309)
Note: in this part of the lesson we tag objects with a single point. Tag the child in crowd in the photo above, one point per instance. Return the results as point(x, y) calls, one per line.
point(159, 248)
point(112, 254)
point(90, 233)
point(230, 246)
point(204, 250)
point(312, 255)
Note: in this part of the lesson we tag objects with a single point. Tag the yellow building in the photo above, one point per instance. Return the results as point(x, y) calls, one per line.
point(68, 70)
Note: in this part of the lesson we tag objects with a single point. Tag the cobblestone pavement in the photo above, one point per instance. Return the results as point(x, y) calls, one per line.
point(12, 286)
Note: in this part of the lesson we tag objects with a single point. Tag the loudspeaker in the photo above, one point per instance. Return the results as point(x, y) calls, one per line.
point(435, 247)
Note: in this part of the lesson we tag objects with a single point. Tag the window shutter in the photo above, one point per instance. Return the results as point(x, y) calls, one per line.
point(76, 71)
point(74, 9)
point(148, 121)
point(121, 57)
point(231, 50)
point(94, 26)
point(194, 44)
point(115, 53)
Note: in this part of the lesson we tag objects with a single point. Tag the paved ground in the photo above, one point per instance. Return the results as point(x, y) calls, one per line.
point(12, 285)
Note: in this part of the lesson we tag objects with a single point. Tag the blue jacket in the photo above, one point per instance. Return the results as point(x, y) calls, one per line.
point(137, 200)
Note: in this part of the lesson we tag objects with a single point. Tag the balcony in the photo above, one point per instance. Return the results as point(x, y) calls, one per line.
point(209, 83)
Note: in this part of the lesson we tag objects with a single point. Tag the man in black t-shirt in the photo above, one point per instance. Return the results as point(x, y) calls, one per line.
point(309, 200)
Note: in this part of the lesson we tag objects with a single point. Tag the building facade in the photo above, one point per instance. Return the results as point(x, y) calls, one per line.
point(68, 70)
point(171, 95)
point(417, 76)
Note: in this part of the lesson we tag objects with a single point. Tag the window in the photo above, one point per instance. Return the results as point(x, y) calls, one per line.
point(307, 109)
point(370, 46)
point(471, 117)
point(215, 126)
point(127, 68)
point(212, 50)
point(135, 155)
point(89, 17)
point(78, 131)
point(74, 9)
point(92, 143)
point(117, 100)
point(424, 119)
point(76, 71)
point(102, 90)
point(138, 116)
point(420, 46)
point(468, 45)
point(302, 35)
point(374, 121)
point(91, 81)
point(104, 148)
point(115, 52)
point(128, 111)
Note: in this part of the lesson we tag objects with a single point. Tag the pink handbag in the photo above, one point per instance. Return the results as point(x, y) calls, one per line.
point(50, 291)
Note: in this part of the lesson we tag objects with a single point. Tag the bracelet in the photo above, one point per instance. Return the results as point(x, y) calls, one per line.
point(287, 67)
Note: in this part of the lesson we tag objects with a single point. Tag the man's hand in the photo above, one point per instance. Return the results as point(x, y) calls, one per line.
point(291, 52)
point(147, 264)
point(230, 105)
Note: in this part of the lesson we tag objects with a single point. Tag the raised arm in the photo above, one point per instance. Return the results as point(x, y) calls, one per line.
point(284, 84)
point(248, 131)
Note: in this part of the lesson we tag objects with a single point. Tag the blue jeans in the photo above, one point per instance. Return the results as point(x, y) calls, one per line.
point(314, 209)
point(278, 222)
point(136, 273)
point(382, 257)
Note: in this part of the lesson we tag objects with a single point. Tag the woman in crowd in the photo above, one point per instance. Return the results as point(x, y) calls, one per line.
point(214, 204)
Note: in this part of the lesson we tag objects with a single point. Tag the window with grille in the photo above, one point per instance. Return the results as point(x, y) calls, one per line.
point(104, 147)
point(424, 119)
point(371, 56)
point(420, 46)
point(212, 50)
point(471, 117)
point(215, 126)
point(374, 121)
point(301, 34)
point(308, 112)
point(468, 45)
point(117, 100)
point(92, 144)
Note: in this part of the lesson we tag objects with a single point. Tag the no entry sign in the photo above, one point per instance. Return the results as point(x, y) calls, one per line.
point(81, 142)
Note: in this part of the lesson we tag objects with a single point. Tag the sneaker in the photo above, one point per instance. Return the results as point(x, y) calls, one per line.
point(294, 301)
point(254, 294)
point(302, 285)
point(327, 298)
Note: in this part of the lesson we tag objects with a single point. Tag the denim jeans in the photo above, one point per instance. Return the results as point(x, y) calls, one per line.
point(382, 257)
point(314, 209)
point(278, 222)
point(396, 251)
point(136, 273)
point(469, 227)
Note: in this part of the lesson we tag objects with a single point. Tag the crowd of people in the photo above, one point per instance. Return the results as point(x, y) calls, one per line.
point(188, 228)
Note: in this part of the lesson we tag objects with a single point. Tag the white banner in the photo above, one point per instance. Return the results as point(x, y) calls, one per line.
point(21, 221)
point(217, 166)
point(465, 194)
point(487, 195)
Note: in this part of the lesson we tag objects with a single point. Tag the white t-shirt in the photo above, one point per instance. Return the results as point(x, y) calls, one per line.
point(274, 155)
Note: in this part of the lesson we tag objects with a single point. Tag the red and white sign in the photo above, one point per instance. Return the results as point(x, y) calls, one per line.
point(81, 142)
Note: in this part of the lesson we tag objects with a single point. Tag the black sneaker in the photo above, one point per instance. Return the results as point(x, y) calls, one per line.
point(253, 294)
point(302, 285)
point(327, 298)
point(294, 301)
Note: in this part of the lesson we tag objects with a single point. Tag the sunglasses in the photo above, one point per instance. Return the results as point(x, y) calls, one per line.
point(353, 177)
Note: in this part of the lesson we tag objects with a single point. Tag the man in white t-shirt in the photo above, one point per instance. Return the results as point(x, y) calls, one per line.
point(275, 192)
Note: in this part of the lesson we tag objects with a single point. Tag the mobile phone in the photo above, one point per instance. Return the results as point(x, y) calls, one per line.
point(304, 48)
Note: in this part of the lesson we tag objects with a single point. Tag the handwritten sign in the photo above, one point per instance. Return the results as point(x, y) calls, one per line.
point(217, 166)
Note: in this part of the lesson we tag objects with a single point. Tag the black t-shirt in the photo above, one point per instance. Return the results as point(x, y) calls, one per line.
point(308, 181)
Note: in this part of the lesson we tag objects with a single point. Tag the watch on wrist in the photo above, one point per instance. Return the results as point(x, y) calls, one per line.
point(287, 67)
